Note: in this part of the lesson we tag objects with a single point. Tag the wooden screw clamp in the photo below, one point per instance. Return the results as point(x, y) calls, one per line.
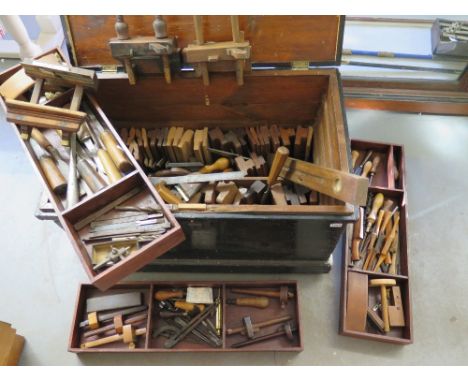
point(124, 48)
point(202, 53)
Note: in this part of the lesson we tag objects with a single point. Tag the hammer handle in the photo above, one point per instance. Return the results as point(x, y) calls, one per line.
point(260, 325)
point(254, 302)
point(265, 293)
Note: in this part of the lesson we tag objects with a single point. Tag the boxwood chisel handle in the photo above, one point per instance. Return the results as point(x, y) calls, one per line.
point(116, 153)
point(376, 205)
point(54, 177)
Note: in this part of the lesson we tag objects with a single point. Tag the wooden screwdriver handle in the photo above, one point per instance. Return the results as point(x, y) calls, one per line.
point(162, 295)
point(376, 205)
point(116, 153)
point(254, 302)
point(278, 162)
point(220, 165)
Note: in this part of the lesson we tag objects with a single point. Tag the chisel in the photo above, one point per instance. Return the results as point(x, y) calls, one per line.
point(52, 174)
point(358, 170)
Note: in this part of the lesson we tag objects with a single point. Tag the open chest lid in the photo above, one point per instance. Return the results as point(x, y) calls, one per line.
point(274, 40)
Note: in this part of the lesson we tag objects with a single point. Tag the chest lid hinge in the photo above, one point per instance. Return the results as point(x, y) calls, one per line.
point(300, 65)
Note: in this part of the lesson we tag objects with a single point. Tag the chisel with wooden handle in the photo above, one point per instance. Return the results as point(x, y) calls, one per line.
point(52, 174)
point(358, 170)
point(340, 185)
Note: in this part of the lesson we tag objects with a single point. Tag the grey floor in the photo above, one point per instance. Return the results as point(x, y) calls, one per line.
point(39, 272)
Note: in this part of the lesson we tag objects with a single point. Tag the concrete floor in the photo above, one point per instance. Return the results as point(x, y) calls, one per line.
point(40, 273)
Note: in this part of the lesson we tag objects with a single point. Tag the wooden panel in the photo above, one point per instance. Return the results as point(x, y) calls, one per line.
point(273, 38)
point(438, 108)
point(280, 98)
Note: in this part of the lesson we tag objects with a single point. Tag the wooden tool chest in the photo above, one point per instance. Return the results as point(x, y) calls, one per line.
point(255, 237)
point(361, 304)
point(152, 329)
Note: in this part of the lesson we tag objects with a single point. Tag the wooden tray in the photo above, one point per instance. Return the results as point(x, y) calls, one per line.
point(384, 182)
point(232, 317)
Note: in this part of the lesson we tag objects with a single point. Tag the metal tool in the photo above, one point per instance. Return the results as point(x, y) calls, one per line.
point(287, 329)
point(257, 326)
point(174, 340)
point(200, 178)
point(115, 255)
point(72, 190)
point(226, 153)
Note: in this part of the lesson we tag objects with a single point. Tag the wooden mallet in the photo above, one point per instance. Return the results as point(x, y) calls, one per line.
point(383, 284)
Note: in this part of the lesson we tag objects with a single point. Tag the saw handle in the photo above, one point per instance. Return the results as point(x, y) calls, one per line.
point(278, 162)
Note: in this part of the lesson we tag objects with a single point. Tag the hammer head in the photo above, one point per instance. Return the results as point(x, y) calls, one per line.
point(249, 329)
point(381, 282)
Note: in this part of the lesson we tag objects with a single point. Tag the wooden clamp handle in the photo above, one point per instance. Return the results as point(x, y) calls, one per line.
point(162, 295)
point(254, 302)
point(278, 162)
point(220, 165)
